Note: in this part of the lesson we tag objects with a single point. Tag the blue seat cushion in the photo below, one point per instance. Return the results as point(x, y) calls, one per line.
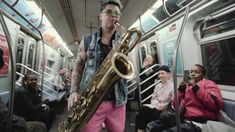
point(229, 108)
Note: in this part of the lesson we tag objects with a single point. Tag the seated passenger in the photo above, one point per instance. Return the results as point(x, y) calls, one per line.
point(203, 102)
point(162, 95)
point(28, 102)
point(62, 81)
point(148, 62)
point(18, 123)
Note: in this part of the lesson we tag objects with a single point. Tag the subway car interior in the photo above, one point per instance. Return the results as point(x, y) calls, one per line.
point(42, 38)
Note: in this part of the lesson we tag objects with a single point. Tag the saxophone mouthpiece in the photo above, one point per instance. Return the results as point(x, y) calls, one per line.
point(117, 23)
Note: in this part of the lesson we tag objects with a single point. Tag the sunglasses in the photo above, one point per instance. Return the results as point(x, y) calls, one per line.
point(111, 12)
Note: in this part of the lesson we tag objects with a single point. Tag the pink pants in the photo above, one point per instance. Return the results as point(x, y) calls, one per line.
point(113, 117)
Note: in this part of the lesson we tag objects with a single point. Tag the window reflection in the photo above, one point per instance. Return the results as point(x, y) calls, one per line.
point(173, 6)
point(143, 54)
point(160, 14)
point(219, 60)
point(153, 49)
point(219, 25)
point(19, 54)
point(31, 55)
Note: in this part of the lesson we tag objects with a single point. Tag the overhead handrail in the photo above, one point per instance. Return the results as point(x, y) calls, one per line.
point(147, 79)
point(155, 83)
point(174, 65)
point(13, 69)
point(146, 89)
point(146, 70)
point(132, 84)
point(28, 68)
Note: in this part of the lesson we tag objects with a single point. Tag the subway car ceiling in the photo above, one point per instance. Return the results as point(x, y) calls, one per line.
point(74, 18)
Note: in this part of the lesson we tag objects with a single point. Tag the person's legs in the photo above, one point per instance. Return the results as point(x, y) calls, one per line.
point(35, 126)
point(145, 116)
point(115, 119)
point(45, 117)
point(185, 127)
point(156, 126)
point(95, 123)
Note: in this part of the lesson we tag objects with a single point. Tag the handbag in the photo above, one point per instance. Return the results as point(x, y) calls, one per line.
point(168, 115)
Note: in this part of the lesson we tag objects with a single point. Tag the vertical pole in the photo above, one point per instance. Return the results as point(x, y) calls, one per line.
point(13, 71)
point(175, 69)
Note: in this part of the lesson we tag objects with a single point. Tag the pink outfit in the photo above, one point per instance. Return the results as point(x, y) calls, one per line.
point(163, 94)
point(112, 116)
point(200, 104)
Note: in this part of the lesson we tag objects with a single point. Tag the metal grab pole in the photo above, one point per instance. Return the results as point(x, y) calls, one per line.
point(174, 59)
point(13, 71)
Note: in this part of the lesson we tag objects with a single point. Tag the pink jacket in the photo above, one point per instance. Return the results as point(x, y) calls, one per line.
point(205, 103)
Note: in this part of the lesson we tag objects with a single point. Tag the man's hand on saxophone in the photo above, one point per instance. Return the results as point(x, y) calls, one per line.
point(74, 97)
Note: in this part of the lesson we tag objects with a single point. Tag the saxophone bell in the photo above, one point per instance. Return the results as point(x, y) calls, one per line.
point(122, 66)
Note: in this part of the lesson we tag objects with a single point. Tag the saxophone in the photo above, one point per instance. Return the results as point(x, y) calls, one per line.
point(115, 66)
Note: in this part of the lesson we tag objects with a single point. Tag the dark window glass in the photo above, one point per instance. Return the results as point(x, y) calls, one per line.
point(219, 25)
point(174, 5)
point(143, 54)
point(153, 48)
point(171, 6)
point(19, 54)
point(181, 3)
point(31, 55)
point(219, 60)
point(160, 14)
point(50, 63)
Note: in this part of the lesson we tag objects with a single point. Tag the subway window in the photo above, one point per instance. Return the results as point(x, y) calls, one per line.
point(173, 6)
point(219, 60)
point(143, 54)
point(19, 54)
point(153, 49)
point(31, 54)
point(218, 25)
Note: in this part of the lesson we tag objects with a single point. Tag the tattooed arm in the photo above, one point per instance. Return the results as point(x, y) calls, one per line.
point(77, 75)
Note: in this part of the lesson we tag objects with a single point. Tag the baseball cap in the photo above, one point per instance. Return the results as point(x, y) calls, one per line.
point(164, 68)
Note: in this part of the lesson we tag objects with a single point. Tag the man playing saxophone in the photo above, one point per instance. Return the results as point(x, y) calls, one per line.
point(93, 49)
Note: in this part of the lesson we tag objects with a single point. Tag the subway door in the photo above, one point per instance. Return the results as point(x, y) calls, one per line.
point(20, 56)
point(31, 53)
